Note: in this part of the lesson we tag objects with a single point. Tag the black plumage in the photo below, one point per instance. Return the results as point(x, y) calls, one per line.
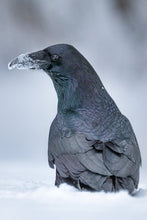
point(91, 143)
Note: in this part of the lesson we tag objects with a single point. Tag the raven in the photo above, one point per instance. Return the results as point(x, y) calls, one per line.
point(91, 143)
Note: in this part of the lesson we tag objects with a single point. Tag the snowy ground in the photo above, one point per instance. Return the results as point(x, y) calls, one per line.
point(28, 192)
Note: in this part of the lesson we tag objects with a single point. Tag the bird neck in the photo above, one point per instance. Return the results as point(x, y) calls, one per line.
point(76, 93)
point(68, 97)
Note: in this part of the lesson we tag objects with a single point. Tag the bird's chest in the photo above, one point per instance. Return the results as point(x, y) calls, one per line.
point(65, 138)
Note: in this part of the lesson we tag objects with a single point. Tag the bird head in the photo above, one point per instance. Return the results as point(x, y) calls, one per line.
point(68, 69)
point(60, 58)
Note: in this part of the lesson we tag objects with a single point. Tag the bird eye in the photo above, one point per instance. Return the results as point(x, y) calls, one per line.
point(54, 57)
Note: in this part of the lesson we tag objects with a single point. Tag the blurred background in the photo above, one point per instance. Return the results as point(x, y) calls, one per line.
point(112, 35)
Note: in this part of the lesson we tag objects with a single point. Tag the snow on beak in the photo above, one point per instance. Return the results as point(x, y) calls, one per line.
point(37, 60)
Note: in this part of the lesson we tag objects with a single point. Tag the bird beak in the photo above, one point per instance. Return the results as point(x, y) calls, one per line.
point(37, 60)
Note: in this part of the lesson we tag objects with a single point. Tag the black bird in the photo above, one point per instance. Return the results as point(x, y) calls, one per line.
point(91, 143)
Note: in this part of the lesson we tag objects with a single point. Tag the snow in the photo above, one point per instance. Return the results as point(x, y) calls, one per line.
point(27, 192)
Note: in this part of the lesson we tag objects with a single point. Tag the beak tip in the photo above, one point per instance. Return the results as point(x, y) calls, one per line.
point(10, 66)
point(18, 62)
